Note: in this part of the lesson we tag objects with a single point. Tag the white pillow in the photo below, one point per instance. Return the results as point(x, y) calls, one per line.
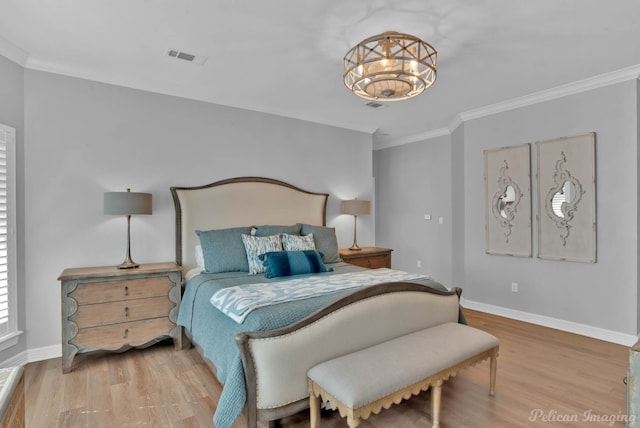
point(199, 257)
point(193, 272)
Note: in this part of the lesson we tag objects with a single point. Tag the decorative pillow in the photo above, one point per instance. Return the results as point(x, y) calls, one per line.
point(223, 250)
point(256, 245)
point(267, 230)
point(286, 263)
point(297, 243)
point(326, 241)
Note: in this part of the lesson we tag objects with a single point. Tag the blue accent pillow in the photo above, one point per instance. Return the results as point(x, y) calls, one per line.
point(287, 263)
point(223, 249)
point(268, 229)
point(326, 241)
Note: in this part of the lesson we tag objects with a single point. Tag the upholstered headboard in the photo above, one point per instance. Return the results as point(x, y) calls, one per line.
point(242, 201)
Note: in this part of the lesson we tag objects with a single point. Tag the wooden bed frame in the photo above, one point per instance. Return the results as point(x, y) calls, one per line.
point(276, 362)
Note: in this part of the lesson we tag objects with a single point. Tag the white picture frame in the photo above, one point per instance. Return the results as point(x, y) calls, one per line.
point(507, 176)
point(566, 179)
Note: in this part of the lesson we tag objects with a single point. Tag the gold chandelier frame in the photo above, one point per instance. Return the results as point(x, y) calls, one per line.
point(390, 67)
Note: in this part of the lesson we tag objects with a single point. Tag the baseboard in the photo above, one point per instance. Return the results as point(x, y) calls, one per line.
point(44, 353)
point(558, 324)
point(33, 355)
point(17, 360)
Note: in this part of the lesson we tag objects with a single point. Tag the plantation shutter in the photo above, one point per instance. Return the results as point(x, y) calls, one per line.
point(6, 141)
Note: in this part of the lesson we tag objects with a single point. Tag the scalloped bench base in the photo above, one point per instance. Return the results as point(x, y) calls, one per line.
point(374, 378)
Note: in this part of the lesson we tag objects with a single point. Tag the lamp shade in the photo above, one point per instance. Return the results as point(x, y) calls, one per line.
point(356, 207)
point(127, 203)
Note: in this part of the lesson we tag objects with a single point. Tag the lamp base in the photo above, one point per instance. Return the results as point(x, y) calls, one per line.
point(128, 264)
point(354, 247)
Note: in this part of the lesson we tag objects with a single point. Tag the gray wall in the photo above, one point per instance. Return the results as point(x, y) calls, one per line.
point(12, 114)
point(413, 180)
point(458, 206)
point(84, 138)
point(602, 295)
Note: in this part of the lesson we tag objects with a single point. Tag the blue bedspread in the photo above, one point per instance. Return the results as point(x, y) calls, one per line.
point(215, 332)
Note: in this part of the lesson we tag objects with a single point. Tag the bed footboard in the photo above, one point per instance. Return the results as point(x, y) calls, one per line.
point(276, 362)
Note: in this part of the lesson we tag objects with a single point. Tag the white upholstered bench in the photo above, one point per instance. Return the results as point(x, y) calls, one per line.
point(365, 381)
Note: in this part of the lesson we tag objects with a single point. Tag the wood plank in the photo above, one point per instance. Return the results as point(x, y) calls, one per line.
point(562, 374)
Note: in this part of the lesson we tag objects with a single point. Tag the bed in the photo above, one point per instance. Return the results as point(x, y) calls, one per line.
point(261, 356)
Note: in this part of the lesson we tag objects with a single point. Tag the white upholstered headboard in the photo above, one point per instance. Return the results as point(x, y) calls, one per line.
point(242, 201)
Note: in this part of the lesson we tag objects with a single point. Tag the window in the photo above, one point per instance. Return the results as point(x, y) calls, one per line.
point(8, 297)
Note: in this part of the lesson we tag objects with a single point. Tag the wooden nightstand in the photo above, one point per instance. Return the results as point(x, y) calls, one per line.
point(368, 257)
point(111, 309)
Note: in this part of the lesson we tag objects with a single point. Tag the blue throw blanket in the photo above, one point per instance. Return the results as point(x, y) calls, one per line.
point(215, 332)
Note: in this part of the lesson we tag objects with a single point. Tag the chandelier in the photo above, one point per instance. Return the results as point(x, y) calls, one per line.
point(390, 67)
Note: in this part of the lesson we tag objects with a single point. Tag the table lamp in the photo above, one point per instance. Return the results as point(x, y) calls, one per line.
point(355, 207)
point(127, 203)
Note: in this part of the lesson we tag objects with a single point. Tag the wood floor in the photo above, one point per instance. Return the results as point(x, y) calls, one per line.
point(546, 378)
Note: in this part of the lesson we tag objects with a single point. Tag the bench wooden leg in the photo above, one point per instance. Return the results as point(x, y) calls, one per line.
point(492, 375)
point(314, 407)
point(436, 396)
point(353, 422)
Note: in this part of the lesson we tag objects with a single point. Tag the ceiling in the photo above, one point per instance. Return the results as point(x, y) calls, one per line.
point(285, 56)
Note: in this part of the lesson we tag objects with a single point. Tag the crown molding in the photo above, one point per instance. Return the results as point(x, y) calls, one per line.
point(385, 144)
point(13, 52)
point(572, 88)
point(596, 82)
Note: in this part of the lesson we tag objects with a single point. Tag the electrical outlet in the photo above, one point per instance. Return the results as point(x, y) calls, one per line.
point(427, 216)
point(419, 263)
point(514, 287)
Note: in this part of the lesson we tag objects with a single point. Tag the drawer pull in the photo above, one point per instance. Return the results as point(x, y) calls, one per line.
point(126, 333)
point(126, 311)
point(126, 290)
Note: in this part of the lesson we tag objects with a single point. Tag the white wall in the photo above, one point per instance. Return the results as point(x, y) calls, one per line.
point(84, 138)
point(601, 295)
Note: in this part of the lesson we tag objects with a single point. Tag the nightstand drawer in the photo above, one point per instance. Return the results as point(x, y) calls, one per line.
point(122, 311)
point(367, 257)
point(111, 291)
point(372, 262)
point(116, 336)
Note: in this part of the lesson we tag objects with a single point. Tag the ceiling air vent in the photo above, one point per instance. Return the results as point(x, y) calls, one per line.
point(174, 53)
point(375, 105)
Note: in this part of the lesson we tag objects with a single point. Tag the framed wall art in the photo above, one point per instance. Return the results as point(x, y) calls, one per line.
point(567, 199)
point(507, 176)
